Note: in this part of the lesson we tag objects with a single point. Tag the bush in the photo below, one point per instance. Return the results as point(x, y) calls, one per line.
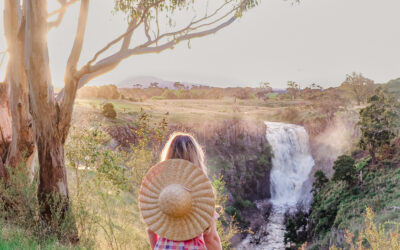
point(226, 227)
point(109, 111)
point(20, 224)
point(104, 184)
point(373, 237)
point(320, 181)
point(344, 169)
point(295, 227)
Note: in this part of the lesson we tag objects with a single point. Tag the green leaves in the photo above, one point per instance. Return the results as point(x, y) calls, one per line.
point(320, 180)
point(378, 122)
point(344, 169)
point(135, 9)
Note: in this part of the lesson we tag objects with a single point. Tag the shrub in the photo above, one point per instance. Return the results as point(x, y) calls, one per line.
point(320, 181)
point(109, 111)
point(295, 227)
point(344, 169)
point(20, 224)
point(226, 227)
point(374, 236)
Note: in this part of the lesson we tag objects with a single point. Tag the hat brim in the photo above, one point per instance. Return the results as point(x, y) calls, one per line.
point(177, 171)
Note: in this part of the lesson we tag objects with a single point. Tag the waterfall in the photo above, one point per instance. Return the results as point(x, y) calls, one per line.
point(291, 165)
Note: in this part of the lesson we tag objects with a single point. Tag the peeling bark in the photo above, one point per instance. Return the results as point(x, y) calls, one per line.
point(22, 147)
point(53, 187)
point(5, 128)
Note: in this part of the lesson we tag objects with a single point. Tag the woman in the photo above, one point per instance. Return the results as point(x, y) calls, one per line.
point(184, 146)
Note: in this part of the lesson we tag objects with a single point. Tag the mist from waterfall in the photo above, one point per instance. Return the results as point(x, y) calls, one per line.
point(292, 163)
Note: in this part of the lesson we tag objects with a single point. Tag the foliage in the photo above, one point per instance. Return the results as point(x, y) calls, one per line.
point(19, 221)
point(362, 163)
point(373, 236)
point(263, 91)
point(393, 88)
point(320, 180)
point(109, 111)
point(344, 169)
point(359, 87)
point(293, 89)
point(106, 180)
point(226, 227)
point(145, 153)
point(296, 228)
point(378, 122)
point(324, 208)
point(134, 9)
point(337, 206)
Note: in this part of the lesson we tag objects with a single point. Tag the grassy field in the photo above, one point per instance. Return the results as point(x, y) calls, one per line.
point(193, 111)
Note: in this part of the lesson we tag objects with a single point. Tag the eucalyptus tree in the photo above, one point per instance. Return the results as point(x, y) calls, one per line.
point(359, 87)
point(293, 89)
point(42, 118)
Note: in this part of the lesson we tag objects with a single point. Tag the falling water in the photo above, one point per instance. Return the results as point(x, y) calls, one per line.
point(291, 165)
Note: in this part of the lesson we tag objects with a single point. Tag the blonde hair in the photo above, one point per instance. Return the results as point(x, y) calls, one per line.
point(184, 146)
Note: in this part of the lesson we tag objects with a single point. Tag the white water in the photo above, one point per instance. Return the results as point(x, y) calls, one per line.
point(291, 165)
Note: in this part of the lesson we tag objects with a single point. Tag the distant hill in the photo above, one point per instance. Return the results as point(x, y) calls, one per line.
point(142, 82)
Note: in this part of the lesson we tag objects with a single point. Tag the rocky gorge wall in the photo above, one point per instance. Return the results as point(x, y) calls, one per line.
point(238, 151)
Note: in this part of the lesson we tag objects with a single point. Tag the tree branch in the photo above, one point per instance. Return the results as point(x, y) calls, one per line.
point(127, 35)
point(112, 61)
point(69, 79)
point(60, 12)
point(64, 6)
point(146, 50)
point(78, 42)
point(89, 71)
point(190, 27)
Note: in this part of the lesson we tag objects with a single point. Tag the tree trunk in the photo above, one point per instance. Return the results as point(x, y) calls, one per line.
point(50, 132)
point(373, 155)
point(5, 128)
point(22, 147)
point(53, 192)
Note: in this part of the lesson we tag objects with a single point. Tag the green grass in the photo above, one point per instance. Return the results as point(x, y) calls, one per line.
point(16, 238)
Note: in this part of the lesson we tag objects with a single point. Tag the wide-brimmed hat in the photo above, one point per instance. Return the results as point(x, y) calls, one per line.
point(176, 200)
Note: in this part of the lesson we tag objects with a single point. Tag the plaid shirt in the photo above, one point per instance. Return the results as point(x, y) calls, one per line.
point(196, 243)
point(193, 244)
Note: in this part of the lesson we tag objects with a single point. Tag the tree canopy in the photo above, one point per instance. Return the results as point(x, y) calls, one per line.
point(359, 87)
point(378, 122)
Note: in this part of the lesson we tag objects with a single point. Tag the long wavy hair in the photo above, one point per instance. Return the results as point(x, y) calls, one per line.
point(184, 146)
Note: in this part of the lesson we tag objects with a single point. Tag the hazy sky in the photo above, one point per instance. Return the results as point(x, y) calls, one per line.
point(315, 41)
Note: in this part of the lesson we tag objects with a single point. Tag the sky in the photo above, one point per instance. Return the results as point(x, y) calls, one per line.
point(316, 41)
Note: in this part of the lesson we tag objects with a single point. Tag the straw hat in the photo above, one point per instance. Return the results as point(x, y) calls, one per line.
point(176, 200)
